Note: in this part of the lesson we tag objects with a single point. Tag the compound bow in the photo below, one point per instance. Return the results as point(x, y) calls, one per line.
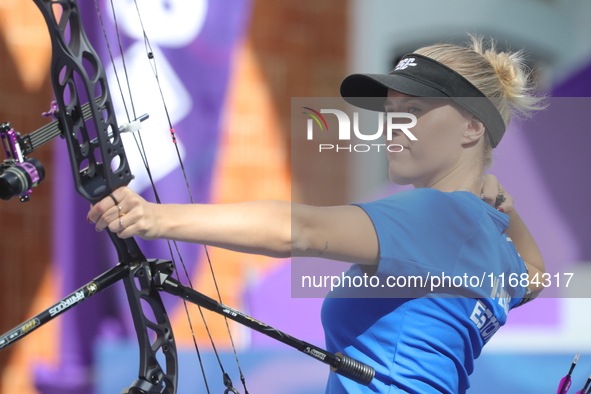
point(85, 118)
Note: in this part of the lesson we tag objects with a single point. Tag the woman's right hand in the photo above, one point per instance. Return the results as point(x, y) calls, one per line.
point(494, 194)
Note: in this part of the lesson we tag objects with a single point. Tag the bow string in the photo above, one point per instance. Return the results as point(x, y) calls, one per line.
point(151, 57)
point(99, 166)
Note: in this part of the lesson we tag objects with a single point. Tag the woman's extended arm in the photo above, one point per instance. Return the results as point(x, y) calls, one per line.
point(272, 228)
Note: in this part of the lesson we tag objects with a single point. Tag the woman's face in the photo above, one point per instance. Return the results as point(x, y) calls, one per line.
point(437, 151)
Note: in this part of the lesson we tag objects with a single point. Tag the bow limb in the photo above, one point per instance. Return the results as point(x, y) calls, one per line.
point(99, 166)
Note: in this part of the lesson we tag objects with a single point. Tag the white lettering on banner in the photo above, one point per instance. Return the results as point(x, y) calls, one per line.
point(179, 23)
point(160, 152)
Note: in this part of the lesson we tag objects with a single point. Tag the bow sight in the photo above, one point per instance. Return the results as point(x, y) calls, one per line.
point(18, 175)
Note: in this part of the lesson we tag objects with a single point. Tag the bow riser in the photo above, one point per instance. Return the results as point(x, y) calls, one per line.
point(78, 76)
point(99, 166)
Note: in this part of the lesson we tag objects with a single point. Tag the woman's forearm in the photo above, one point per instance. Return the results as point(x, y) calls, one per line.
point(525, 244)
point(271, 228)
point(259, 227)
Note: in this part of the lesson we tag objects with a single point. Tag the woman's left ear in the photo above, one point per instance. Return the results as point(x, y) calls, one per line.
point(474, 130)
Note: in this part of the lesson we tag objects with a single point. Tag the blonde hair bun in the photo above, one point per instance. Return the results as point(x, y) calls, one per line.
point(501, 75)
point(512, 78)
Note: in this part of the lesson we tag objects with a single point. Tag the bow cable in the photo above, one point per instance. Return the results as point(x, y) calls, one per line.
point(98, 11)
point(144, 159)
point(142, 152)
point(150, 55)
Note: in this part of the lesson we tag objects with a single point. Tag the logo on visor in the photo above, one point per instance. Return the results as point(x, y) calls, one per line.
point(404, 63)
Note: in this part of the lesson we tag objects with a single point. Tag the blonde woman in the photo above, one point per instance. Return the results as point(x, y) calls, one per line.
point(455, 222)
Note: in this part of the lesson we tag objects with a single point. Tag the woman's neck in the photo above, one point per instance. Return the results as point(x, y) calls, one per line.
point(461, 179)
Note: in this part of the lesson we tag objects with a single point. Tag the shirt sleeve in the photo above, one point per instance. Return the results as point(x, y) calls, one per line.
point(420, 230)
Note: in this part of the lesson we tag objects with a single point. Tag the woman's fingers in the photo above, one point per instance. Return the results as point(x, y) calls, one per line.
point(118, 211)
point(494, 194)
point(504, 204)
point(118, 224)
point(490, 189)
point(131, 216)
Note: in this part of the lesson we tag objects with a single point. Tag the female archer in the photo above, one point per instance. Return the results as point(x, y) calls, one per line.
point(456, 221)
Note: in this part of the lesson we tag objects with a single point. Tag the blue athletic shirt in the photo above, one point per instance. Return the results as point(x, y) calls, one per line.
point(420, 341)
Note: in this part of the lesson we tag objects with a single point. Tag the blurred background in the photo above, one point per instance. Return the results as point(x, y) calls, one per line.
point(228, 70)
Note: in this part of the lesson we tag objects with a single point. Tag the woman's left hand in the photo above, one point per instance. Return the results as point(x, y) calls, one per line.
point(494, 194)
point(126, 214)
